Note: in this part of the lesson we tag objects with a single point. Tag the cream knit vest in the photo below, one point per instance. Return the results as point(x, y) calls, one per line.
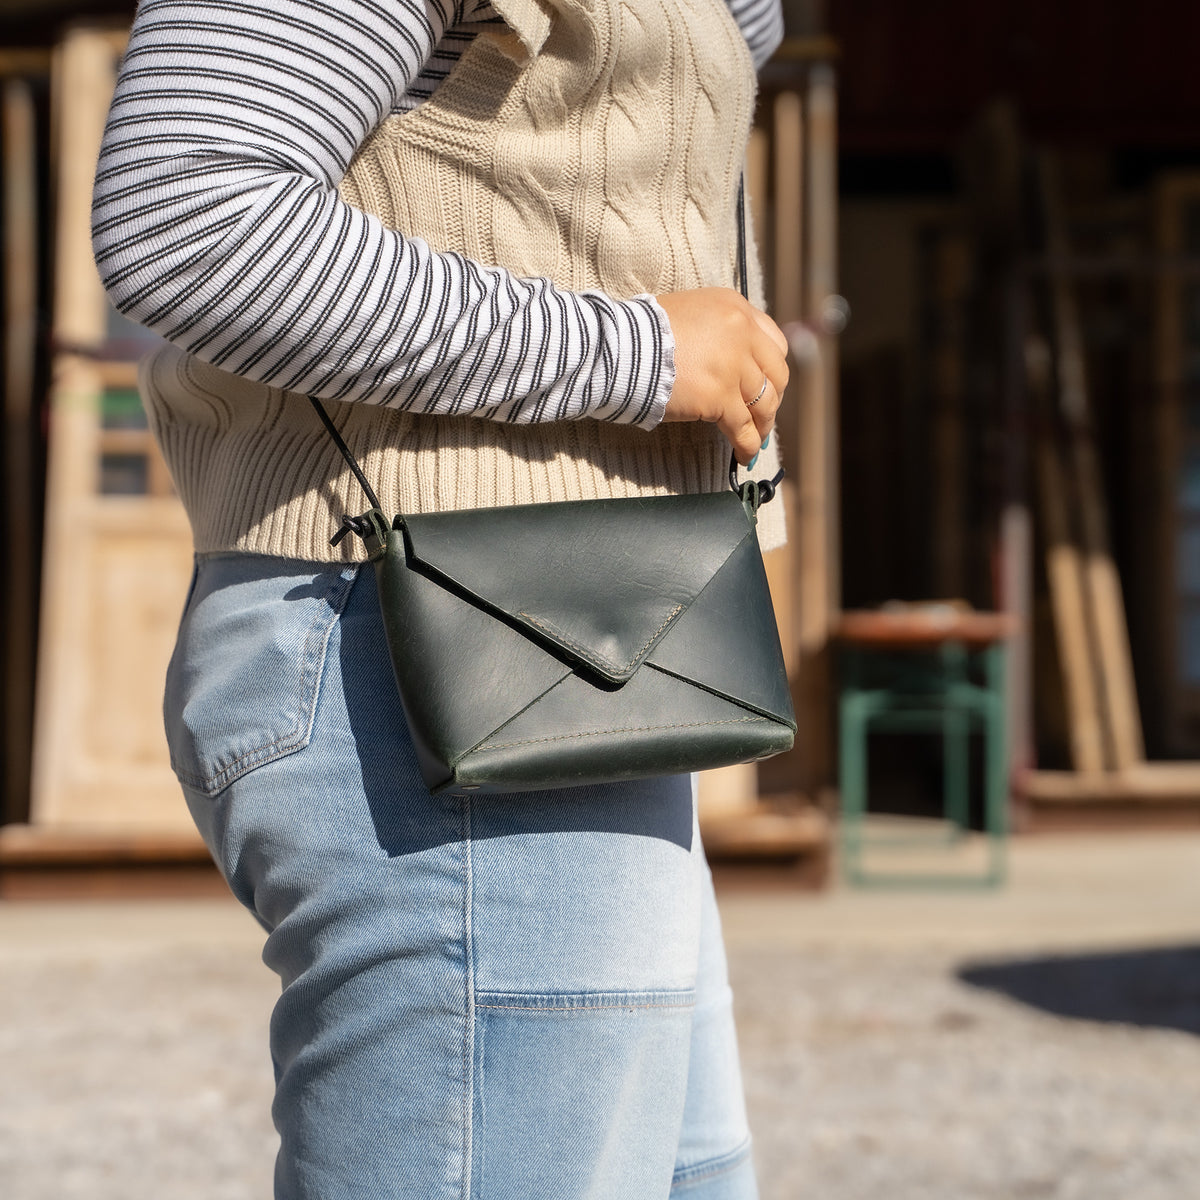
point(595, 142)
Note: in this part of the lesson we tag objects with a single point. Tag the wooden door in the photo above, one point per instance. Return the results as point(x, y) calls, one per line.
point(118, 550)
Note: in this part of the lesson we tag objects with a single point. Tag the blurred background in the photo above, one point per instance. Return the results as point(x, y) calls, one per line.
point(962, 913)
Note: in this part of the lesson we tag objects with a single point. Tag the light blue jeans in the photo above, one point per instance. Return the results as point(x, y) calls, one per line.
point(498, 998)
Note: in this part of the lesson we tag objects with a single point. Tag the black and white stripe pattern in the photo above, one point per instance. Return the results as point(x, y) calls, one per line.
point(216, 221)
point(761, 23)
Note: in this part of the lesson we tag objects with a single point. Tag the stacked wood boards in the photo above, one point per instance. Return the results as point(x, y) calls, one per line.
point(1106, 737)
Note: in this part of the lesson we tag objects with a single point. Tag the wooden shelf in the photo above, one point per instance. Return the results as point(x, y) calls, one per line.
point(766, 833)
point(1145, 783)
point(770, 847)
point(46, 863)
point(1162, 795)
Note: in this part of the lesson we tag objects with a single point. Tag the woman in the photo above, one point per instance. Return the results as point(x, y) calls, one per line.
point(500, 237)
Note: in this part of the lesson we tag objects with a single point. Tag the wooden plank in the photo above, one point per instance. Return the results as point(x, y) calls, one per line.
point(780, 565)
point(788, 148)
point(1065, 575)
point(821, 288)
point(767, 833)
point(1015, 559)
point(788, 265)
point(83, 863)
point(125, 441)
point(817, 434)
point(758, 197)
point(83, 72)
point(20, 437)
point(118, 376)
point(1107, 606)
point(33, 61)
point(1146, 783)
point(30, 845)
point(177, 881)
point(819, 48)
point(727, 791)
point(991, 162)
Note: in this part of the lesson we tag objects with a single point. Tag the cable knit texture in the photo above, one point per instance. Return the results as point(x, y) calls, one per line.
point(597, 143)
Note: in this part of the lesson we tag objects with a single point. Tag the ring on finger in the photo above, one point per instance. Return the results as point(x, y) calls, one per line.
point(762, 391)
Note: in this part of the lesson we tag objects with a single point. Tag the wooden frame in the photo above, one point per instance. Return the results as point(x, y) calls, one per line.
point(792, 185)
point(116, 566)
point(19, 126)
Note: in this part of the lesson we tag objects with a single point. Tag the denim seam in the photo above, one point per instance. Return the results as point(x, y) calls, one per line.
point(492, 1000)
point(468, 1170)
point(313, 656)
point(580, 1010)
point(710, 1168)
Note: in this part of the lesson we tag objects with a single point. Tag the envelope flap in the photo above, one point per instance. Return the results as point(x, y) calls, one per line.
point(601, 580)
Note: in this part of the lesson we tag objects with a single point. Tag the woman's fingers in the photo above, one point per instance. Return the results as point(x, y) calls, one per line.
point(772, 330)
point(730, 365)
point(771, 362)
point(741, 430)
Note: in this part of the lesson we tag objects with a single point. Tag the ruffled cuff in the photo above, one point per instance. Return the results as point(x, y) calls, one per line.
point(664, 381)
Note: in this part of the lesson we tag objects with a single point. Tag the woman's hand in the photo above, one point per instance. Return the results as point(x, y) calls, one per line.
point(727, 353)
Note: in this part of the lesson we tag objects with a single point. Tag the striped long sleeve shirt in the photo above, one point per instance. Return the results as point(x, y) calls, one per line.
point(217, 223)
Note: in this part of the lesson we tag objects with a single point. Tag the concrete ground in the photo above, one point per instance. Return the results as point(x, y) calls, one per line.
point(1036, 1042)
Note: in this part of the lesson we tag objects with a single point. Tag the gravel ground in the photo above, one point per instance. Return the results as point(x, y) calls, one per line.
point(889, 1075)
point(932, 1048)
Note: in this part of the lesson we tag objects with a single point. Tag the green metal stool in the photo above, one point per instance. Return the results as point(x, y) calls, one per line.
point(925, 669)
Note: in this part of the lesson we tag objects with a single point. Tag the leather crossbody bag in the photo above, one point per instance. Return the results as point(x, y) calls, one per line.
point(550, 645)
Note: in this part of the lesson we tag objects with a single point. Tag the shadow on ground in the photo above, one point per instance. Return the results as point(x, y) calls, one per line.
point(1153, 988)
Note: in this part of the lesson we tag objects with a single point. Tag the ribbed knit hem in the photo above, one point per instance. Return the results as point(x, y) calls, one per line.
point(257, 472)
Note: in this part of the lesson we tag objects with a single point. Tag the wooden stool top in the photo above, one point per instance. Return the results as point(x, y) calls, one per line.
point(923, 626)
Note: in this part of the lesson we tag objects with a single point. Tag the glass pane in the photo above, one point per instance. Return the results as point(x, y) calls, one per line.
point(1189, 481)
point(1191, 405)
point(124, 475)
point(1191, 227)
point(1189, 645)
point(1190, 299)
point(122, 409)
point(1187, 548)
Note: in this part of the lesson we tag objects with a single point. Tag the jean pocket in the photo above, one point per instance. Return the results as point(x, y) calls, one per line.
point(578, 1094)
point(243, 683)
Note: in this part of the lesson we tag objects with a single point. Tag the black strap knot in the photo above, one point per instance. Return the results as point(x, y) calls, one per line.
point(363, 526)
point(768, 487)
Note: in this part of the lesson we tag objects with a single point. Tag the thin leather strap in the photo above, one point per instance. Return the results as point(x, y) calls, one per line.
point(341, 445)
point(744, 287)
point(743, 281)
point(363, 525)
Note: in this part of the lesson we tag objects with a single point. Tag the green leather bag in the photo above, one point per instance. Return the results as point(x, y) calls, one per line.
point(555, 644)
point(548, 645)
